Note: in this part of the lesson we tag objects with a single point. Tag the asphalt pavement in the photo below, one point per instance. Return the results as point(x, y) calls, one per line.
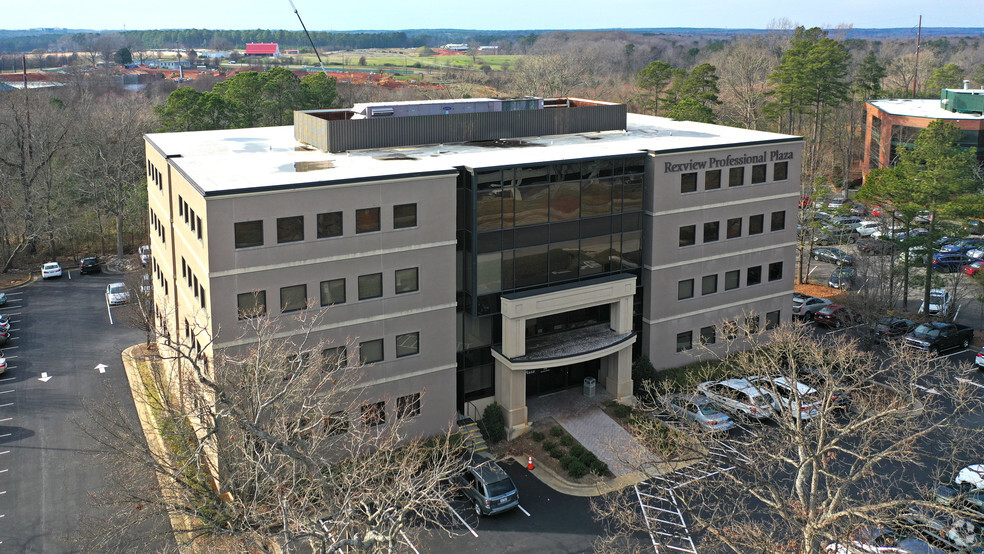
point(60, 333)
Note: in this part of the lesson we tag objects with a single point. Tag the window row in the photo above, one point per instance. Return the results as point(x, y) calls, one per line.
point(329, 224)
point(374, 414)
point(193, 221)
point(569, 171)
point(159, 275)
point(732, 280)
point(733, 228)
point(154, 175)
point(736, 176)
point(332, 291)
point(730, 330)
point(158, 226)
point(198, 289)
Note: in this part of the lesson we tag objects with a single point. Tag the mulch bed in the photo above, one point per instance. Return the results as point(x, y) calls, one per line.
point(525, 446)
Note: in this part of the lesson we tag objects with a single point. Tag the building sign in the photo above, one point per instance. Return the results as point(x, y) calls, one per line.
point(728, 161)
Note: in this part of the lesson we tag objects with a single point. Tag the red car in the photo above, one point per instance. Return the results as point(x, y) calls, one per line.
point(876, 211)
point(973, 268)
point(836, 316)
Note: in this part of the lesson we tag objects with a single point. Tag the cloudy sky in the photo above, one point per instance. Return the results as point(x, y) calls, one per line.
point(471, 14)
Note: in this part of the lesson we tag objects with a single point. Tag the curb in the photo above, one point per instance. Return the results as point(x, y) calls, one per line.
point(30, 279)
point(561, 484)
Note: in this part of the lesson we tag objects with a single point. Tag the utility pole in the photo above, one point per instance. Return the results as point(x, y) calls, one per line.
point(915, 72)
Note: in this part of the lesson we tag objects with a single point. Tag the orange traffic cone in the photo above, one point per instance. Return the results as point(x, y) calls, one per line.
point(529, 465)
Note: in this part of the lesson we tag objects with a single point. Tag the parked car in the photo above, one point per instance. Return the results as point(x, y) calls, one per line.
point(4, 337)
point(740, 397)
point(979, 359)
point(961, 246)
point(867, 228)
point(836, 202)
point(51, 270)
point(940, 303)
point(950, 263)
point(3, 298)
point(488, 487)
point(976, 253)
point(917, 255)
point(833, 255)
point(698, 409)
point(880, 540)
point(117, 294)
point(892, 327)
point(939, 526)
point(145, 285)
point(974, 226)
point(923, 217)
point(970, 478)
point(89, 264)
point(832, 234)
point(826, 383)
point(873, 247)
point(970, 500)
point(795, 398)
point(836, 316)
point(4, 323)
point(144, 252)
point(3, 364)
point(805, 307)
point(877, 211)
point(937, 336)
point(974, 268)
point(843, 278)
point(859, 209)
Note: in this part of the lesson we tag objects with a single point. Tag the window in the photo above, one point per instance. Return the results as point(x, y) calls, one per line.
point(772, 320)
point(775, 271)
point(371, 351)
point(688, 235)
point(709, 284)
point(332, 292)
point(329, 225)
point(688, 182)
point(180, 206)
point(707, 335)
point(753, 276)
point(290, 229)
point(730, 329)
point(732, 279)
point(297, 362)
point(370, 286)
point(408, 406)
point(191, 219)
point(758, 173)
point(756, 224)
point(734, 227)
point(366, 220)
point(374, 414)
point(711, 231)
point(752, 324)
point(249, 233)
point(251, 304)
point(407, 345)
point(685, 289)
point(200, 230)
point(736, 176)
point(404, 215)
point(712, 179)
point(780, 171)
point(685, 341)
point(406, 280)
point(293, 298)
point(336, 423)
point(334, 358)
point(778, 221)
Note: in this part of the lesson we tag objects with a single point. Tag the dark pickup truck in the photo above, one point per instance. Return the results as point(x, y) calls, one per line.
point(936, 336)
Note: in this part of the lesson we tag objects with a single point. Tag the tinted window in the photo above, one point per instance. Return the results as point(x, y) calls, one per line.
point(406, 280)
point(758, 173)
point(366, 220)
point(251, 304)
point(370, 286)
point(290, 229)
point(332, 292)
point(711, 231)
point(736, 176)
point(329, 225)
point(712, 179)
point(688, 182)
point(404, 215)
point(293, 298)
point(249, 233)
point(688, 235)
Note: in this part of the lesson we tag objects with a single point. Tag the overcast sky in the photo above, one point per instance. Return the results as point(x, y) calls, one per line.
point(471, 14)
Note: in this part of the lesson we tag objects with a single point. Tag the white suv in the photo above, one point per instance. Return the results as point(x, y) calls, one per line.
point(740, 397)
point(798, 399)
point(868, 228)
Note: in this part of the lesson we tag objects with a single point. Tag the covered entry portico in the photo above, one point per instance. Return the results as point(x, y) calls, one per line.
point(610, 343)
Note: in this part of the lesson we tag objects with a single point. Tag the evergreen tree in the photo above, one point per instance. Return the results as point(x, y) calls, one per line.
point(653, 79)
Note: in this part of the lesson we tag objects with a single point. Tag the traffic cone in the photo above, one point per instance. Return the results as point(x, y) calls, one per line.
point(529, 465)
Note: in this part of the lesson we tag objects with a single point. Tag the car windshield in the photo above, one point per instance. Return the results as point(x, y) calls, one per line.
point(936, 298)
point(709, 409)
point(927, 330)
point(499, 488)
point(50, 266)
point(116, 289)
point(827, 311)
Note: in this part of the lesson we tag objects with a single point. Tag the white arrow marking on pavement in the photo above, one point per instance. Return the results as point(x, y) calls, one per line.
point(930, 391)
point(102, 368)
point(44, 377)
point(968, 381)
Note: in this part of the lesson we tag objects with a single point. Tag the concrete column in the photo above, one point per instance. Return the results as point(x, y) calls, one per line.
point(513, 337)
point(510, 393)
point(619, 382)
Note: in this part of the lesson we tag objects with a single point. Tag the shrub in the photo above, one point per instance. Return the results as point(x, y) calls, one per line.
point(556, 431)
point(598, 467)
point(566, 461)
point(576, 469)
point(588, 457)
point(537, 436)
point(622, 411)
point(549, 445)
point(567, 440)
point(495, 422)
point(578, 451)
point(557, 452)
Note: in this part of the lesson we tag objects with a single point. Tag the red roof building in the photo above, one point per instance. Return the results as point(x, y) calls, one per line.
point(263, 49)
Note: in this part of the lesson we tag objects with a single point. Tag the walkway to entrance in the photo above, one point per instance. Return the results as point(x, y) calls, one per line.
point(584, 419)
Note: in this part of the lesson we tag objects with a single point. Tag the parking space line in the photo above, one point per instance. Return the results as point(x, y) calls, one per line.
point(645, 517)
point(5, 435)
point(7, 404)
point(5, 419)
point(7, 379)
point(968, 381)
point(524, 510)
point(4, 452)
point(6, 391)
point(461, 519)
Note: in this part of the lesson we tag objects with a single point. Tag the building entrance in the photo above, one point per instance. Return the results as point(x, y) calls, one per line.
point(545, 381)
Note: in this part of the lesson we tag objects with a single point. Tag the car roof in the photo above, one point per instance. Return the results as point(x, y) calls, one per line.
point(49, 264)
point(802, 388)
point(972, 475)
point(741, 385)
point(114, 285)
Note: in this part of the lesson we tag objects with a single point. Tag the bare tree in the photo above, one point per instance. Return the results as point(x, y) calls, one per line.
point(804, 483)
point(271, 446)
point(550, 75)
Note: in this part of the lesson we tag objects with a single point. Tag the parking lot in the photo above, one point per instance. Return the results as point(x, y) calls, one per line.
point(63, 354)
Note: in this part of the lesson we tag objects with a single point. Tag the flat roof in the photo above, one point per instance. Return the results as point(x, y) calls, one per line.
point(920, 107)
point(238, 161)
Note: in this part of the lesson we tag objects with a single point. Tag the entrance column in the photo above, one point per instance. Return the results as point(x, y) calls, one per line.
point(510, 393)
point(618, 380)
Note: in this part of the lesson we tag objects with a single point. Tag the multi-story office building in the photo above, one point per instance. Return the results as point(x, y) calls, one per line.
point(474, 250)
